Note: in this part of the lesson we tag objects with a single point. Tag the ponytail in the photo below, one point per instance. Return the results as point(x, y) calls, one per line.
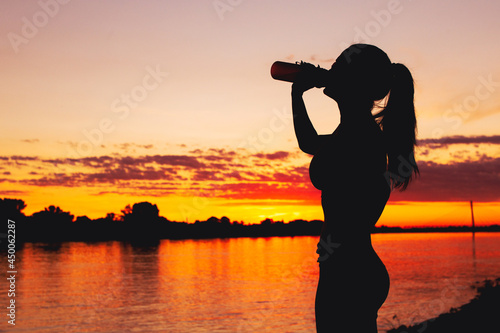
point(399, 126)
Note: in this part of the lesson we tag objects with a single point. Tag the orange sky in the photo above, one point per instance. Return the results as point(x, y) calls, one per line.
point(108, 104)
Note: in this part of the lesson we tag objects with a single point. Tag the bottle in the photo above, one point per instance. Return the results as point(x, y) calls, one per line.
point(286, 71)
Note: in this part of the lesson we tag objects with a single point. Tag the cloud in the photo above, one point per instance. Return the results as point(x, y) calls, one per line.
point(23, 158)
point(461, 181)
point(106, 176)
point(459, 139)
point(175, 160)
point(112, 161)
point(12, 192)
point(132, 146)
point(234, 175)
point(55, 179)
point(112, 175)
point(216, 155)
point(242, 175)
point(207, 175)
point(293, 175)
point(279, 155)
point(208, 166)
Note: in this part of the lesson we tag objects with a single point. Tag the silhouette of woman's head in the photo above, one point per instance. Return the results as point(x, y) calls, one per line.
point(362, 72)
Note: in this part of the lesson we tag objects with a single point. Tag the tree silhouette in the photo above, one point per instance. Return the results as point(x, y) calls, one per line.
point(126, 212)
point(142, 222)
point(12, 208)
point(143, 212)
point(83, 219)
point(50, 224)
point(267, 222)
point(53, 215)
point(213, 220)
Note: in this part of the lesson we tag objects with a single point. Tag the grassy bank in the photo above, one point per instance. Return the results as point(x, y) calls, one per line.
point(480, 315)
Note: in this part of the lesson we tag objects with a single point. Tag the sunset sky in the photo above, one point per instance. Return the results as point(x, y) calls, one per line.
point(109, 103)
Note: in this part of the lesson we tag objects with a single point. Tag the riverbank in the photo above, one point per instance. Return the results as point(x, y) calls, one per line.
point(480, 315)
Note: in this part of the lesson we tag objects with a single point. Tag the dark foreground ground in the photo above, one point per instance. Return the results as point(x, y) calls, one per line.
point(481, 315)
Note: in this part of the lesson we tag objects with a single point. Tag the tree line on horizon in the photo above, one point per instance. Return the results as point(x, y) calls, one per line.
point(138, 222)
point(142, 222)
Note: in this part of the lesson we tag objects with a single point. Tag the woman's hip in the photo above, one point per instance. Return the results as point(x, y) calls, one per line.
point(353, 272)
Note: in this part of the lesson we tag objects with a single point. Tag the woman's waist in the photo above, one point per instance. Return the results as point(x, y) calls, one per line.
point(356, 211)
point(350, 225)
point(350, 237)
point(349, 250)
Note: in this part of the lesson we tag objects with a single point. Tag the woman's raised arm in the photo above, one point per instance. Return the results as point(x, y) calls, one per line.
point(305, 132)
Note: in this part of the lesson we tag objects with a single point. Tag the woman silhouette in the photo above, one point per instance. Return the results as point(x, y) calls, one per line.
point(356, 167)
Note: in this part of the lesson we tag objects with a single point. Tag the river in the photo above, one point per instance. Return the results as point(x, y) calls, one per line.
point(232, 285)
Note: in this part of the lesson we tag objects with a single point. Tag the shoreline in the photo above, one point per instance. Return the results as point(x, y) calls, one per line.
point(151, 241)
point(480, 315)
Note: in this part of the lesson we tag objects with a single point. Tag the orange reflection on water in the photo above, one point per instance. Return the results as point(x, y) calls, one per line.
point(79, 280)
point(179, 284)
point(251, 284)
point(250, 279)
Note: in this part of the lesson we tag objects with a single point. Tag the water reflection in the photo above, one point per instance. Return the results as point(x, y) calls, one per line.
point(225, 285)
point(474, 260)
